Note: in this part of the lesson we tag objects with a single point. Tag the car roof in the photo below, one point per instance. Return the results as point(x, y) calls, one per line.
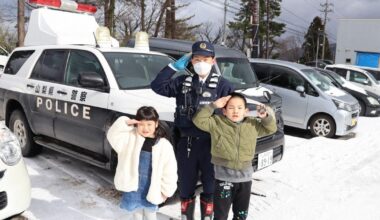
point(180, 47)
point(81, 47)
point(346, 66)
point(369, 68)
point(280, 62)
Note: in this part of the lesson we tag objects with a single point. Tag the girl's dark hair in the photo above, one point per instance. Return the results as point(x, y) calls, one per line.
point(237, 95)
point(150, 114)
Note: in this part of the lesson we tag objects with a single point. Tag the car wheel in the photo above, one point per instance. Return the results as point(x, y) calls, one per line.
point(322, 125)
point(20, 127)
point(362, 108)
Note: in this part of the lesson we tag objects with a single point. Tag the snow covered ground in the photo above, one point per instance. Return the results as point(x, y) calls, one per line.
point(318, 178)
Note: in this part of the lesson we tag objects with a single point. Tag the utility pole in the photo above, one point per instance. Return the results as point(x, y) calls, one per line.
point(255, 28)
point(224, 23)
point(326, 10)
point(20, 23)
point(267, 32)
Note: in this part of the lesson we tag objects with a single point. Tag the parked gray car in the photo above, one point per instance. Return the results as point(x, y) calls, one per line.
point(310, 101)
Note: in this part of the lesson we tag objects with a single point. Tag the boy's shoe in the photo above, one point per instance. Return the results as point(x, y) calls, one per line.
point(207, 208)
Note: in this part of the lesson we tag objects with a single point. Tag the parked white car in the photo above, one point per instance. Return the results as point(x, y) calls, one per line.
point(15, 188)
point(358, 76)
point(3, 57)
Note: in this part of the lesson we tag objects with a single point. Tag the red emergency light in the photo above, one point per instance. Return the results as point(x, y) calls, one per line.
point(66, 5)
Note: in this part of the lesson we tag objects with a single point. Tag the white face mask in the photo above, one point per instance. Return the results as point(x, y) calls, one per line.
point(202, 68)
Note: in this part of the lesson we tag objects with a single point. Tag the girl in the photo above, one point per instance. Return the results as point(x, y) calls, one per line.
point(146, 172)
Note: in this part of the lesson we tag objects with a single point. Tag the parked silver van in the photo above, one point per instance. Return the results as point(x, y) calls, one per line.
point(310, 101)
point(358, 76)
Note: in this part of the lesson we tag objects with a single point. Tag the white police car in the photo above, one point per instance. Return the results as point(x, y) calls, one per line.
point(65, 87)
point(14, 179)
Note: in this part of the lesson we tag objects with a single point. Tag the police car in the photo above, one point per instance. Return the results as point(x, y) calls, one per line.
point(65, 87)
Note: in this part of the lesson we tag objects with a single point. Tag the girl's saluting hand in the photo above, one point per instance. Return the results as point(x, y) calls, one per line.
point(132, 122)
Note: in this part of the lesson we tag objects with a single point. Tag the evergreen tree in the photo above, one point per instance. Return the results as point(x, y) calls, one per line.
point(242, 29)
point(313, 37)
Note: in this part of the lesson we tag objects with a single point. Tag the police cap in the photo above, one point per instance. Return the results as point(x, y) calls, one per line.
point(203, 48)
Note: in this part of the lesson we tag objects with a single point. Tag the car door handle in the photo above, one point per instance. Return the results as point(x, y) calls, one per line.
point(30, 86)
point(61, 92)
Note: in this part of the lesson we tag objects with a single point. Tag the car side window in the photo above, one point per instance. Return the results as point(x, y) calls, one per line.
point(50, 66)
point(262, 71)
point(81, 62)
point(359, 78)
point(341, 72)
point(285, 77)
point(16, 61)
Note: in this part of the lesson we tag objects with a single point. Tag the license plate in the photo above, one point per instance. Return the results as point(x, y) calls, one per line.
point(265, 159)
point(353, 121)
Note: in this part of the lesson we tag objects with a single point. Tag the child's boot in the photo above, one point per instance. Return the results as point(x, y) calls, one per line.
point(207, 208)
point(187, 209)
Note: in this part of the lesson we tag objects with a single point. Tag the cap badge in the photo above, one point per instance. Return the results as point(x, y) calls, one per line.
point(203, 46)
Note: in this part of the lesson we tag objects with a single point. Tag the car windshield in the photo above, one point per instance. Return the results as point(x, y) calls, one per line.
point(319, 80)
point(133, 70)
point(337, 77)
point(238, 71)
point(372, 77)
point(375, 73)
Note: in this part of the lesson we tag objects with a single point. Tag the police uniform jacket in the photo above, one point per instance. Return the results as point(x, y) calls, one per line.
point(164, 85)
point(233, 145)
point(128, 143)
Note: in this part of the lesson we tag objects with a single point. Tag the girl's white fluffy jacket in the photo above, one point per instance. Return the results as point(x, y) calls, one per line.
point(127, 143)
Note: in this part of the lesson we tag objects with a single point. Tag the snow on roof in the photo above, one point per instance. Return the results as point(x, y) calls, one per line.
point(52, 27)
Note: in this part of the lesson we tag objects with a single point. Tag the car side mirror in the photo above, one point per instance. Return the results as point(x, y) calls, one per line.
point(301, 90)
point(91, 80)
point(366, 82)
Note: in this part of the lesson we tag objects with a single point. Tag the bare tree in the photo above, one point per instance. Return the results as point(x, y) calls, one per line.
point(290, 48)
point(207, 32)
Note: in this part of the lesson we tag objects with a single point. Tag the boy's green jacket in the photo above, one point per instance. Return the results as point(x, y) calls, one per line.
point(233, 145)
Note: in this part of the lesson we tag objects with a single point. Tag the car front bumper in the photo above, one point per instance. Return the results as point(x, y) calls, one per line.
point(15, 189)
point(345, 121)
point(274, 142)
point(372, 110)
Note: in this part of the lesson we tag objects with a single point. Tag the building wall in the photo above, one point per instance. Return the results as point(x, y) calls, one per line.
point(356, 35)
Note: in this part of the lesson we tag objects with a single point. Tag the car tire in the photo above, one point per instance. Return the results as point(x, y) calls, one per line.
point(20, 127)
point(322, 125)
point(362, 108)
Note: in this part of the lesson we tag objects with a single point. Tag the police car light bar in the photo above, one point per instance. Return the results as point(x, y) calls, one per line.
point(66, 5)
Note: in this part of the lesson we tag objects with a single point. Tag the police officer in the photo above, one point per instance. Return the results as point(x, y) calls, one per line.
point(194, 145)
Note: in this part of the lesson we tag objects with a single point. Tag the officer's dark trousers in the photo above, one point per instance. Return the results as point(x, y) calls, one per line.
point(188, 167)
point(227, 193)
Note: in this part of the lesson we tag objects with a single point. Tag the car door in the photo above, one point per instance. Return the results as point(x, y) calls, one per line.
point(82, 112)
point(43, 84)
point(284, 81)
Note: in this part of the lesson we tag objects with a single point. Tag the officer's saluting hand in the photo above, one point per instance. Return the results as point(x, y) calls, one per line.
point(182, 63)
point(193, 148)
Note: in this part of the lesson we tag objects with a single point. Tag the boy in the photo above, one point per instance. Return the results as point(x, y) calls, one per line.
point(233, 144)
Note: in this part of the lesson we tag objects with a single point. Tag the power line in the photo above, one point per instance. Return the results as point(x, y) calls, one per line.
point(233, 7)
point(302, 19)
point(217, 6)
point(288, 22)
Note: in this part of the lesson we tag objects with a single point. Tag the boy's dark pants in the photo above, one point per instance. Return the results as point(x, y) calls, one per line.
point(227, 193)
